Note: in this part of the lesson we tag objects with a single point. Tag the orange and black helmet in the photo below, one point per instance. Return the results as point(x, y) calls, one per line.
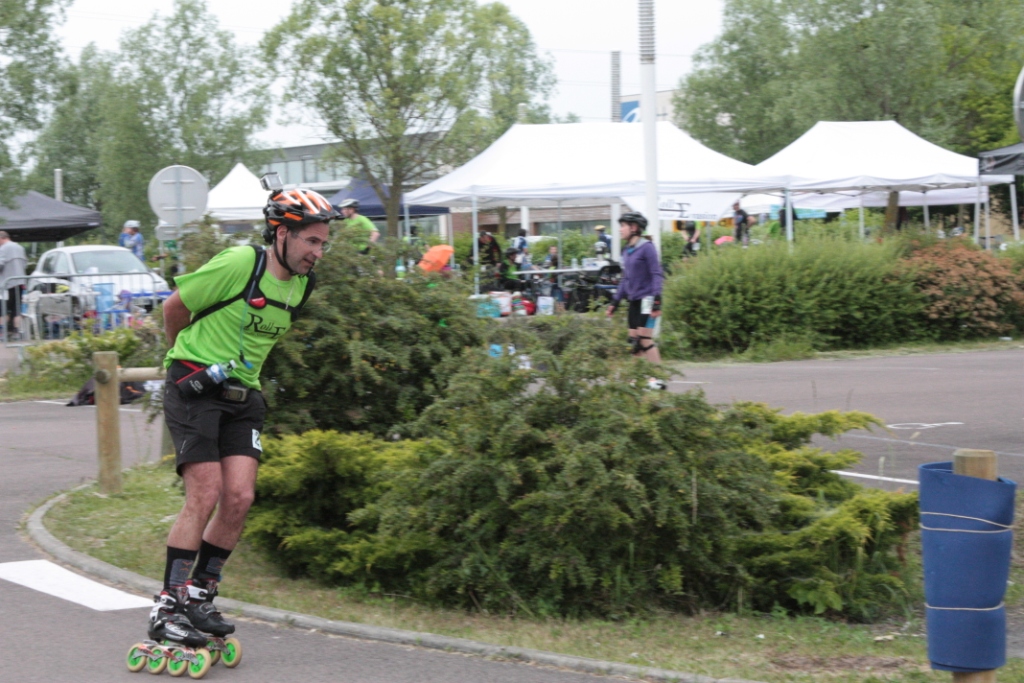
point(296, 208)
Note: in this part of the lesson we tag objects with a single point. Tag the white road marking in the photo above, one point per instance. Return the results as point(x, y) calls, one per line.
point(849, 435)
point(47, 577)
point(874, 477)
point(921, 425)
point(62, 403)
point(679, 381)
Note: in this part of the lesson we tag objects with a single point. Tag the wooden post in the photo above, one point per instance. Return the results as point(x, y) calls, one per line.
point(970, 462)
point(108, 423)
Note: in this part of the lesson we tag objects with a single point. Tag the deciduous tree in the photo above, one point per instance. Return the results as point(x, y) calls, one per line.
point(407, 86)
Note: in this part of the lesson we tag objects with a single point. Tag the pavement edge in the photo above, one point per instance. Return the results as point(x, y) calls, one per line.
point(90, 565)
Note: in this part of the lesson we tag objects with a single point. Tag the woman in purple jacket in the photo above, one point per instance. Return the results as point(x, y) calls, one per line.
point(641, 287)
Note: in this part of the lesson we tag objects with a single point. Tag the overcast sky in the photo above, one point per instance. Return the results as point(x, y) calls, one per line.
point(578, 35)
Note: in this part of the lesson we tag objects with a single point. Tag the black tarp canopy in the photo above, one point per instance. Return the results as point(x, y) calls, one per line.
point(1002, 161)
point(34, 217)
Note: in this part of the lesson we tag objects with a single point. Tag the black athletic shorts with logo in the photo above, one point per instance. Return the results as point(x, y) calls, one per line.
point(208, 428)
point(636, 318)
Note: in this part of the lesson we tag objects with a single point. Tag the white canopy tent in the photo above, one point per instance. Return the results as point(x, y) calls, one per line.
point(237, 198)
point(580, 164)
point(868, 157)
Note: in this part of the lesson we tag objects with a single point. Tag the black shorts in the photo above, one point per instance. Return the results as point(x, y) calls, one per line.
point(636, 318)
point(208, 428)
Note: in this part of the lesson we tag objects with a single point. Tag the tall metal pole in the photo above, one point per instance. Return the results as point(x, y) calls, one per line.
point(977, 214)
point(616, 86)
point(616, 238)
point(1013, 211)
point(927, 218)
point(476, 250)
point(789, 217)
point(58, 194)
point(862, 218)
point(649, 114)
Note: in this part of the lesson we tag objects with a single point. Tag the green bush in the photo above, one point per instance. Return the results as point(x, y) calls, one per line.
point(831, 293)
point(309, 484)
point(366, 351)
point(67, 363)
point(577, 492)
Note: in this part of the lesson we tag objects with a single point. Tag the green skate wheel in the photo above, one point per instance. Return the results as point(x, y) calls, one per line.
point(177, 665)
point(157, 666)
point(137, 658)
point(214, 653)
point(232, 654)
point(204, 661)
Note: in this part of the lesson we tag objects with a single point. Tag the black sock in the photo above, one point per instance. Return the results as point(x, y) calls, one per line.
point(179, 565)
point(211, 562)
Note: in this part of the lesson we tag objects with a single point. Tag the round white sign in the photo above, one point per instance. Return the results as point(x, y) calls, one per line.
point(177, 195)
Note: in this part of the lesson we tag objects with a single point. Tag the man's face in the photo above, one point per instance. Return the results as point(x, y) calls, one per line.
point(306, 247)
point(348, 211)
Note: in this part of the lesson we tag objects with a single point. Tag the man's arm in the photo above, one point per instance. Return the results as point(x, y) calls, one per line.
point(176, 318)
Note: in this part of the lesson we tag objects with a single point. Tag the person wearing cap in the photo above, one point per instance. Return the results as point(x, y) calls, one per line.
point(133, 239)
point(364, 232)
point(602, 236)
point(12, 273)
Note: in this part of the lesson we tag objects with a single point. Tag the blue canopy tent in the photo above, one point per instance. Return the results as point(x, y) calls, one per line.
point(371, 206)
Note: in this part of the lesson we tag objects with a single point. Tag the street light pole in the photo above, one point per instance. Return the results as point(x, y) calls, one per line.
point(649, 115)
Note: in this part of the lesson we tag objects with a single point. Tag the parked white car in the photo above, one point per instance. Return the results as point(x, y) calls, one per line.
point(83, 272)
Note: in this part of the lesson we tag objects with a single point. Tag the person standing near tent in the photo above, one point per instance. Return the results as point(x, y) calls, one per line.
point(740, 225)
point(12, 267)
point(641, 287)
point(364, 232)
point(604, 238)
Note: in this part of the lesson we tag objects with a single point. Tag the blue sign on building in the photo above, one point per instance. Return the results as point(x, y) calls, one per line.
point(630, 111)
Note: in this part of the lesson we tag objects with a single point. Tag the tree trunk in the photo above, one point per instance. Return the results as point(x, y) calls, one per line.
point(393, 210)
point(892, 209)
point(959, 216)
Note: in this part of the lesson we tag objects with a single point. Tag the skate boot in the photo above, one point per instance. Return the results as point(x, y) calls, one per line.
point(200, 610)
point(168, 622)
point(206, 618)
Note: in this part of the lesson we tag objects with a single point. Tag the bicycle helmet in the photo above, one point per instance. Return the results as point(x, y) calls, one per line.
point(132, 224)
point(349, 203)
point(294, 209)
point(634, 217)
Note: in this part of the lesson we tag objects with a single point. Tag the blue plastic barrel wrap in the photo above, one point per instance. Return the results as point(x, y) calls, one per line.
point(966, 541)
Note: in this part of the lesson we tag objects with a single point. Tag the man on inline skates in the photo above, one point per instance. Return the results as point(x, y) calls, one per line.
point(221, 324)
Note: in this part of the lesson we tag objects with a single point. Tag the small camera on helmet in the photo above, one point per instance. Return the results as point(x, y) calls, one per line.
point(271, 182)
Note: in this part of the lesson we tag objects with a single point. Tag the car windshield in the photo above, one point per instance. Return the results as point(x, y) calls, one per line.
point(113, 261)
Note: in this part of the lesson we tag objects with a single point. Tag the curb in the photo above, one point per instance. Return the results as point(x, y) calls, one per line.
point(90, 565)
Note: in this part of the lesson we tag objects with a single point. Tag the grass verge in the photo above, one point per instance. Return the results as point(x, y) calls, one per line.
point(130, 529)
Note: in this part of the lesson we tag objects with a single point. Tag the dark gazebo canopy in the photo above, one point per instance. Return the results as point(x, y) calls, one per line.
point(34, 217)
point(370, 204)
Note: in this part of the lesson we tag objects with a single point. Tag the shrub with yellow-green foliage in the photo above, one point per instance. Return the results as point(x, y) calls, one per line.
point(574, 491)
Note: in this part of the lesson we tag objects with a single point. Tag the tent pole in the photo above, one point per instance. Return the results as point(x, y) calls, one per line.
point(476, 249)
point(449, 226)
point(560, 263)
point(988, 228)
point(977, 214)
point(789, 217)
point(406, 205)
point(862, 217)
point(927, 221)
point(1013, 210)
point(614, 228)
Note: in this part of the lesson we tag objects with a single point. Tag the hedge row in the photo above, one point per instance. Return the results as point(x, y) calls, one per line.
point(841, 294)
